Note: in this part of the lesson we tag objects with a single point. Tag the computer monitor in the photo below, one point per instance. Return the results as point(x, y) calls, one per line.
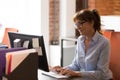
point(30, 41)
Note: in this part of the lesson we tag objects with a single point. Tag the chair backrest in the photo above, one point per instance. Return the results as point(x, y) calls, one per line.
point(5, 39)
point(107, 33)
point(115, 55)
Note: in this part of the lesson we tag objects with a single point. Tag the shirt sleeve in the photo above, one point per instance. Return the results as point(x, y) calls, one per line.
point(74, 66)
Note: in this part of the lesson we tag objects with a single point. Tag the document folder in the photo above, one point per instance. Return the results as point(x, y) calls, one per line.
point(3, 59)
point(26, 70)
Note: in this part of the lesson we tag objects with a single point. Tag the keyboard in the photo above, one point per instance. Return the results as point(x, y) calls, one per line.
point(54, 74)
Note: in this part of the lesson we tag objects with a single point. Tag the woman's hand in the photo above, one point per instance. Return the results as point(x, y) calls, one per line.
point(65, 71)
point(70, 73)
point(56, 69)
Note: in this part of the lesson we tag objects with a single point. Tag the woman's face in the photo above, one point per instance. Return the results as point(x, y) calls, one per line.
point(84, 27)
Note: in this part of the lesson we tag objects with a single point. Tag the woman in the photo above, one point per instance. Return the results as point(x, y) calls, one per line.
point(93, 49)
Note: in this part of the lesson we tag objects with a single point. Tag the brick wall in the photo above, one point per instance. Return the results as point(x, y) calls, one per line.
point(91, 4)
point(105, 7)
point(54, 21)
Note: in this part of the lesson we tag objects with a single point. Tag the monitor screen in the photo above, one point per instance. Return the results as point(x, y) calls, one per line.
point(30, 41)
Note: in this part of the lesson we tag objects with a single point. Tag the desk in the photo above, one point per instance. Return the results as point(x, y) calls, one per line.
point(44, 77)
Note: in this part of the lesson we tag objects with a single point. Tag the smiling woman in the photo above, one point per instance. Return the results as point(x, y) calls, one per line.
point(92, 52)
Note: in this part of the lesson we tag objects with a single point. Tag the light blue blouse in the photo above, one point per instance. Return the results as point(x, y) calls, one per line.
point(93, 64)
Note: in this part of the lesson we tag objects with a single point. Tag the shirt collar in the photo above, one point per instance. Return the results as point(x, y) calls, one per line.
point(94, 38)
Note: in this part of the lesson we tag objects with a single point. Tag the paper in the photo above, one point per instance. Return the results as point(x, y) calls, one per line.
point(17, 58)
point(26, 44)
point(8, 63)
point(17, 43)
point(35, 43)
point(39, 50)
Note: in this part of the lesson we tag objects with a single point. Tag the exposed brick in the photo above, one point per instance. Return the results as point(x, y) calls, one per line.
point(54, 20)
point(105, 7)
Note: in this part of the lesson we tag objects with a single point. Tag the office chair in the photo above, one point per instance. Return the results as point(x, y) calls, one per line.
point(115, 55)
point(5, 39)
point(107, 33)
